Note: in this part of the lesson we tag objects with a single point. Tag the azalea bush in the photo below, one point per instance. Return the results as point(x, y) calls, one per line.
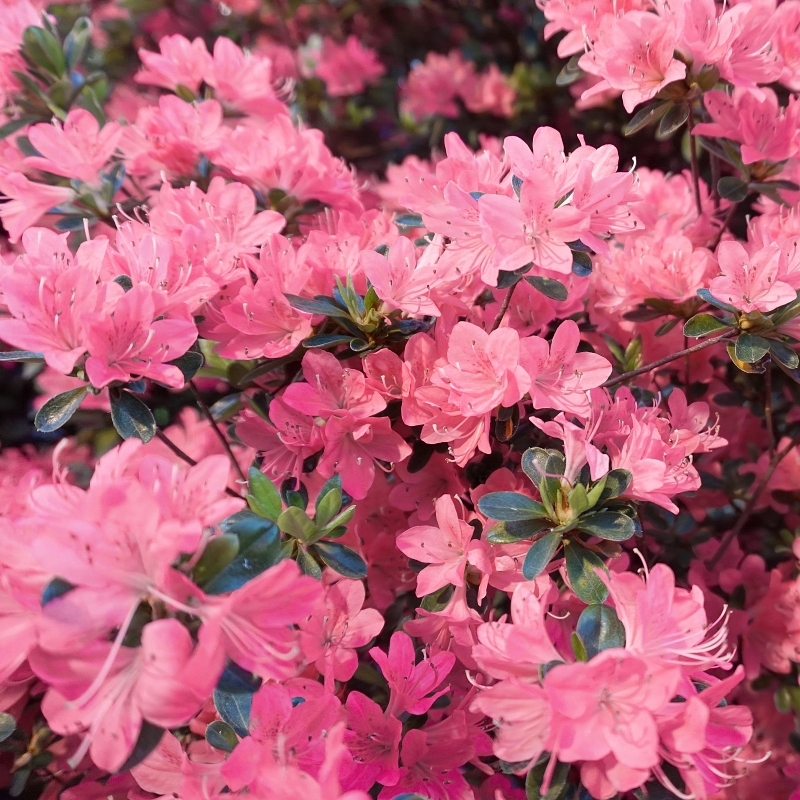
point(398, 400)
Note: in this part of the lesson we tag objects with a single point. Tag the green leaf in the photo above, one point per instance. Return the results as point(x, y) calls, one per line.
point(295, 522)
point(325, 340)
point(221, 736)
point(540, 555)
point(408, 221)
point(77, 41)
point(578, 647)
point(517, 530)
point(544, 468)
point(709, 298)
point(44, 50)
point(339, 520)
point(549, 287)
point(58, 410)
point(744, 366)
point(581, 566)
point(581, 264)
point(21, 355)
point(264, 498)
point(675, 118)
point(189, 364)
point(703, 325)
point(16, 124)
point(149, 737)
point(7, 725)
point(559, 787)
point(750, 348)
point(234, 708)
point(732, 189)
point(319, 305)
point(648, 115)
point(307, 564)
point(438, 600)
point(783, 354)
point(327, 507)
point(259, 549)
point(612, 525)
point(57, 587)
point(508, 506)
point(570, 72)
point(218, 553)
point(600, 629)
point(132, 418)
point(578, 499)
point(616, 483)
point(342, 559)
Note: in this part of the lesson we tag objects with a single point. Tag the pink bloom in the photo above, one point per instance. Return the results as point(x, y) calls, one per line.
point(560, 376)
point(607, 706)
point(634, 54)
point(532, 229)
point(749, 282)
point(482, 369)
point(432, 86)
point(129, 343)
point(77, 149)
point(332, 632)
point(411, 684)
point(754, 118)
point(447, 549)
point(26, 202)
point(180, 63)
point(373, 739)
point(347, 68)
point(489, 93)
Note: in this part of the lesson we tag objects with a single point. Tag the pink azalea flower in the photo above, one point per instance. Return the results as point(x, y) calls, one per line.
point(373, 739)
point(129, 343)
point(411, 684)
point(179, 63)
point(750, 282)
point(532, 229)
point(347, 68)
point(330, 635)
point(561, 377)
point(489, 93)
point(27, 202)
point(78, 148)
point(482, 369)
point(447, 548)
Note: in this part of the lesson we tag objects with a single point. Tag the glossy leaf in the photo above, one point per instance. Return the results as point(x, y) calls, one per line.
point(751, 348)
point(674, 119)
point(264, 498)
point(507, 506)
point(732, 189)
point(234, 708)
point(342, 559)
point(549, 287)
point(784, 354)
point(540, 555)
point(516, 531)
point(709, 298)
point(648, 115)
point(218, 553)
point(21, 355)
point(600, 629)
point(147, 741)
point(295, 522)
point(612, 525)
point(581, 571)
point(58, 410)
point(703, 325)
point(221, 736)
point(132, 418)
point(189, 364)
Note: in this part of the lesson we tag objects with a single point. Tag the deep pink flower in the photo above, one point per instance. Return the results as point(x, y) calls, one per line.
point(373, 738)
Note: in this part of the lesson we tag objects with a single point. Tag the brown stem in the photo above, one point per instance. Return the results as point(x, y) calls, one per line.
point(162, 437)
point(220, 435)
point(734, 532)
point(715, 175)
point(695, 167)
point(503, 308)
point(768, 408)
point(666, 360)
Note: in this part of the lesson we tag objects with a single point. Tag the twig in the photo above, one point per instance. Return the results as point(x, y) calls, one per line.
point(162, 437)
point(220, 435)
point(748, 509)
point(504, 307)
point(666, 360)
point(724, 227)
point(768, 408)
point(695, 168)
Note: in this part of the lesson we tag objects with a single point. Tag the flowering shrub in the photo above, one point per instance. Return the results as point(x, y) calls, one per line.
point(398, 404)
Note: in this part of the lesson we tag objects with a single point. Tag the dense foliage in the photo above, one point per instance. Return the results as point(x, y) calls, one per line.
point(398, 400)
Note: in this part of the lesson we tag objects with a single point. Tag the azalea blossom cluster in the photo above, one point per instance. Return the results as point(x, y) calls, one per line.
point(470, 478)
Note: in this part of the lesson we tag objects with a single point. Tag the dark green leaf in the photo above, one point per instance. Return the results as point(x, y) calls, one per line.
point(617, 481)
point(581, 264)
point(21, 355)
point(732, 189)
point(600, 629)
point(57, 587)
point(559, 787)
point(234, 708)
point(218, 553)
point(612, 525)
point(709, 298)
point(325, 340)
point(753, 369)
point(221, 736)
point(506, 279)
point(506, 506)
point(7, 725)
point(751, 348)
point(16, 124)
point(516, 531)
point(319, 305)
point(259, 549)
point(438, 600)
point(666, 327)
point(703, 325)
point(549, 287)
point(189, 364)
point(342, 559)
point(58, 410)
point(675, 117)
point(149, 737)
point(264, 498)
point(581, 571)
point(307, 564)
point(784, 354)
point(44, 50)
point(77, 41)
point(540, 555)
point(132, 418)
point(570, 72)
point(408, 221)
point(648, 115)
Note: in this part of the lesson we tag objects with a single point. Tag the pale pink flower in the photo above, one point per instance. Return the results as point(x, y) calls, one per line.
point(489, 93)
point(750, 282)
point(27, 202)
point(347, 68)
point(179, 63)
